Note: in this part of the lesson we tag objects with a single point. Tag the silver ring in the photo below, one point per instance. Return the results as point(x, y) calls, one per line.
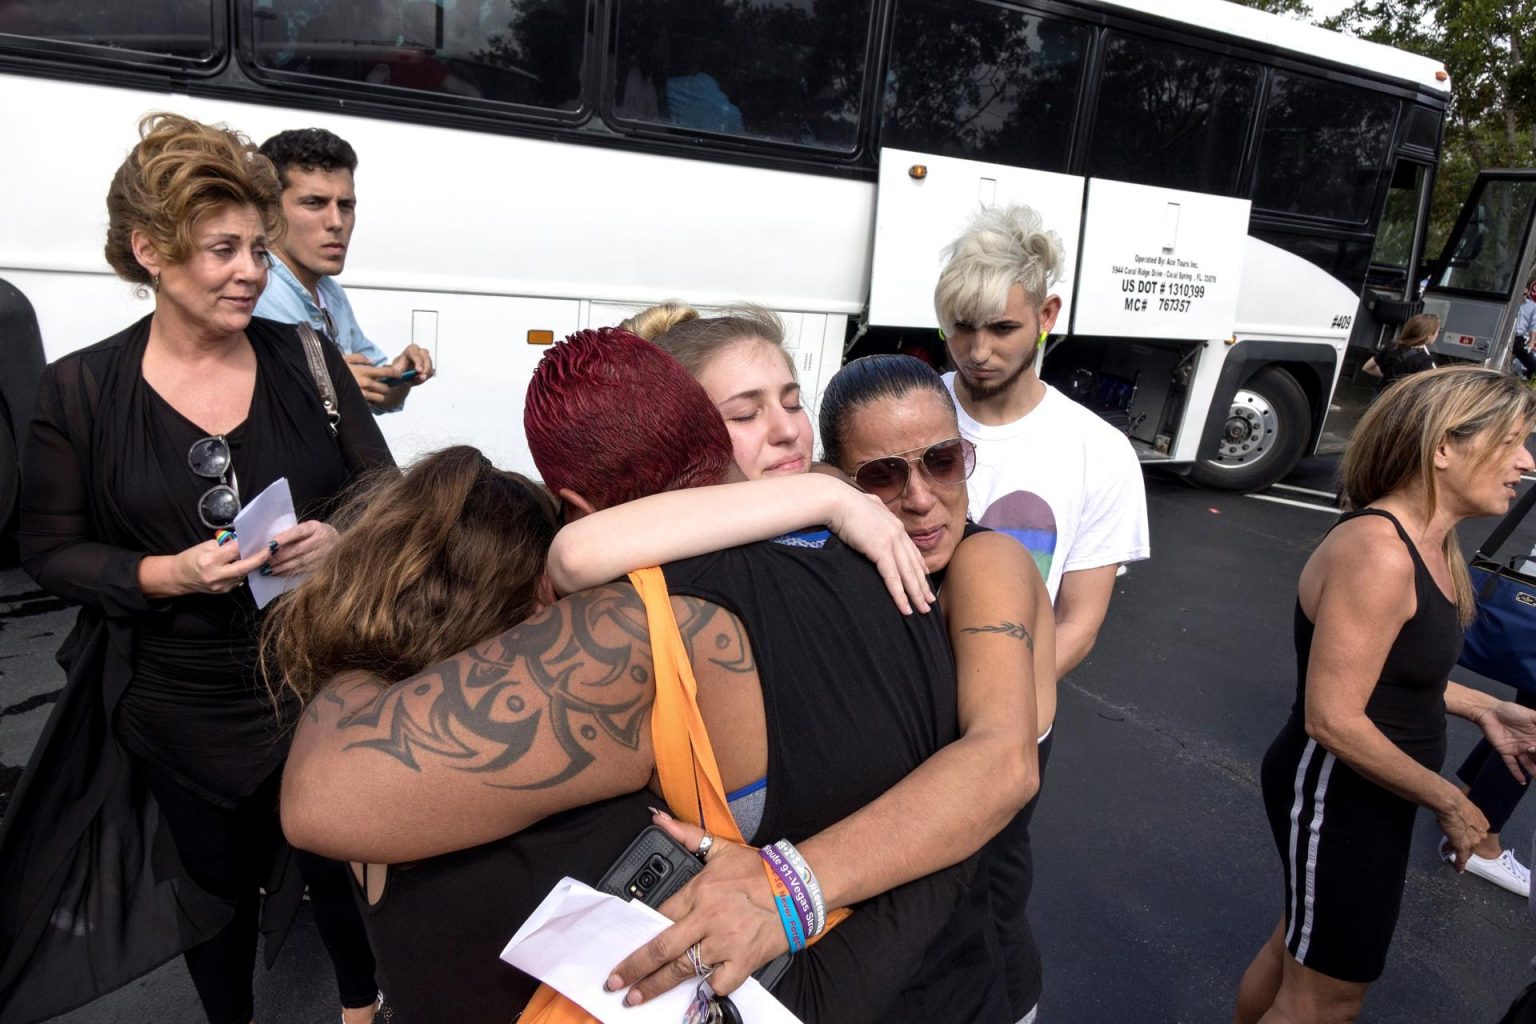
point(696, 958)
point(708, 843)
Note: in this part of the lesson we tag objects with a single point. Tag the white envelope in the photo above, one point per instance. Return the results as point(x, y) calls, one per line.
point(577, 936)
point(259, 522)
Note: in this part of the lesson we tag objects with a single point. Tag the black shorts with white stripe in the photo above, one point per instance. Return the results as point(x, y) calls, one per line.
point(1344, 842)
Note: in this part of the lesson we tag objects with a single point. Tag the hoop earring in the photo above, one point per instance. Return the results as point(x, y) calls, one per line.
point(942, 336)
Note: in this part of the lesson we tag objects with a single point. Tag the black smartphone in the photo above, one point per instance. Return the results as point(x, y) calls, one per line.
point(653, 868)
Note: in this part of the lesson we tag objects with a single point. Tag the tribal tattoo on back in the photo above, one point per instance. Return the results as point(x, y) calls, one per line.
point(535, 706)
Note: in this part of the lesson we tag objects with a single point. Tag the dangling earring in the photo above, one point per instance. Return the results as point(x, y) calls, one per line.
point(942, 336)
point(1043, 336)
point(154, 281)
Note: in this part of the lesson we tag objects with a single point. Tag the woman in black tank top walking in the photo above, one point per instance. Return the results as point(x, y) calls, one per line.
point(1378, 626)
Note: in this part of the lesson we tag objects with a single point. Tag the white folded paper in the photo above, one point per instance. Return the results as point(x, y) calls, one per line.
point(260, 520)
point(577, 936)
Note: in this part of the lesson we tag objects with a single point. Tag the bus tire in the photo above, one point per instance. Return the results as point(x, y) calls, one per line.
point(1263, 437)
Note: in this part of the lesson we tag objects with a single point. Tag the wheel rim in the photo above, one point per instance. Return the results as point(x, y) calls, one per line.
point(1250, 432)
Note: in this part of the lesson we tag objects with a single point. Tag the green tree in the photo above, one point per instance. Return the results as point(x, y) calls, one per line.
point(1486, 46)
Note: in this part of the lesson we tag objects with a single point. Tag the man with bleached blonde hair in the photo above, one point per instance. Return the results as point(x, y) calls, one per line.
point(1049, 472)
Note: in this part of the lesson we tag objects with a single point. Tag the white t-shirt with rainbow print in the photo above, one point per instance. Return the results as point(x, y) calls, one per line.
point(1062, 482)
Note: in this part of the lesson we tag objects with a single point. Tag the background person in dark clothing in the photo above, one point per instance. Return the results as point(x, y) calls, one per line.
point(1408, 352)
point(146, 823)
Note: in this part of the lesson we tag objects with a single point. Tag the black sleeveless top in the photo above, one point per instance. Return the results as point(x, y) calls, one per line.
point(440, 926)
point(850, 715)
point(1408, 703)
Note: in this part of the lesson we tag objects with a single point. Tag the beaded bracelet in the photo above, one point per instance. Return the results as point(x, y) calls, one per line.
point(818, 903)
point(788, 916)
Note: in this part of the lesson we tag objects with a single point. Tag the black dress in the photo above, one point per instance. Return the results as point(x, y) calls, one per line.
point(92, 892)
point(1343, 839)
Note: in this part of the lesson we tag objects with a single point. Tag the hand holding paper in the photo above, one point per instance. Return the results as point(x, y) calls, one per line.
point(572, 940)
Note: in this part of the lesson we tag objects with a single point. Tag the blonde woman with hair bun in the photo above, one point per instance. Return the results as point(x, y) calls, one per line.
point(657, 320)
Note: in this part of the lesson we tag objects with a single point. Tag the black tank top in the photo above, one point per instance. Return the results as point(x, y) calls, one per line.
point(856, 696)
point(1408, 703)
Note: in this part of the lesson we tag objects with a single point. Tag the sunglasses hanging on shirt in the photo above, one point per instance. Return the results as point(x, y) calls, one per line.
point(210, 458)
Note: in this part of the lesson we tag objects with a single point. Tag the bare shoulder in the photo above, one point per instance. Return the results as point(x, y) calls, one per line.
point(1367, 548)
point(989, 552)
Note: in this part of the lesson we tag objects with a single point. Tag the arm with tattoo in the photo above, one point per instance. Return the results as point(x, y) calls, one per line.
point(550, 715)
point(996, 608)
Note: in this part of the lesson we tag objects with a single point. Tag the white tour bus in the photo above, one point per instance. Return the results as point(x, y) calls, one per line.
point(1240, 195)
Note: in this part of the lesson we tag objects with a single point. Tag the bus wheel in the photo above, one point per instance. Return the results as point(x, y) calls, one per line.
point(1263, 437)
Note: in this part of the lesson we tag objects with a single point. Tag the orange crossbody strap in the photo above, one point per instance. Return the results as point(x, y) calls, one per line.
point(685, 759)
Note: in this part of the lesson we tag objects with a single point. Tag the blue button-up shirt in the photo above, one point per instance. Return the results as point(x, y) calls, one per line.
point(1525, 324)
point(289, 302)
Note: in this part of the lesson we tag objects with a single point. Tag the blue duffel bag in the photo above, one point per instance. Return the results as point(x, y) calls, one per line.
point(1501, 641)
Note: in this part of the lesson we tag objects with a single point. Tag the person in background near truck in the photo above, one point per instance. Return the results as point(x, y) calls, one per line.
point(1525, 323)
point(1408, 352)
point(1049, 473)
point(320, 207)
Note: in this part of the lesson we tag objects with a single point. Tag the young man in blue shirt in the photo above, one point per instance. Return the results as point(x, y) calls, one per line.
point(320, 206)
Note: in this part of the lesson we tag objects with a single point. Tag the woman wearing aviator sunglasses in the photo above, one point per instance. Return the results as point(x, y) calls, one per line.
point(146, 823)
point(890, 425)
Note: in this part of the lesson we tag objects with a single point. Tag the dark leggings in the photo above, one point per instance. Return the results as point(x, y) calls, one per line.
point(1492, 789)
point(228, 851)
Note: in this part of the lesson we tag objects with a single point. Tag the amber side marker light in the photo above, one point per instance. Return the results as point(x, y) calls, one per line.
point(541, 337)
point(1441, 76)
point(917, 172)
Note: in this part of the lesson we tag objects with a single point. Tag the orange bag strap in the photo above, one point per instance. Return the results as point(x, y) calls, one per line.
point(685, 758)
point(685, 762)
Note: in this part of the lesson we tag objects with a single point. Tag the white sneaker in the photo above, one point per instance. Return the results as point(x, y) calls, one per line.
point(1503, 871)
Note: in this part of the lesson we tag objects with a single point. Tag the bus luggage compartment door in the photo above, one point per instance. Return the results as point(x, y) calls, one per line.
point(924, 202)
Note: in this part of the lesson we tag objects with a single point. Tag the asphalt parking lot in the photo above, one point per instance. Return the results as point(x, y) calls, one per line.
point(1157, 878)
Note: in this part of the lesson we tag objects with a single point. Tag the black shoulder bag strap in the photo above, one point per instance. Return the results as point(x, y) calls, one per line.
point(316, 359)
point(1490, 547)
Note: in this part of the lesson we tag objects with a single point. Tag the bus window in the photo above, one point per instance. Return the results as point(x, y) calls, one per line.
point(176, 28)
point(984, 82)
point(1323, 152)
point(1346, 259)
point(774, 70)
point(1485, 254)
point(1171, 115)
point(1394, 238)
point(527, 52)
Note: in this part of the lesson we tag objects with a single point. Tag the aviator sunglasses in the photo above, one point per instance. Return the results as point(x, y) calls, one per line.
point(943, 462)
point(209, 458)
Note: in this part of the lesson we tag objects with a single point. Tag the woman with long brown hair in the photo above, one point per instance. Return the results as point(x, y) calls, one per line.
point(1378, 626)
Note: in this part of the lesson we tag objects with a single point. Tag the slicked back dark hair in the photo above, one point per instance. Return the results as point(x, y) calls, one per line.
point(309, 149)
point(864, 381)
